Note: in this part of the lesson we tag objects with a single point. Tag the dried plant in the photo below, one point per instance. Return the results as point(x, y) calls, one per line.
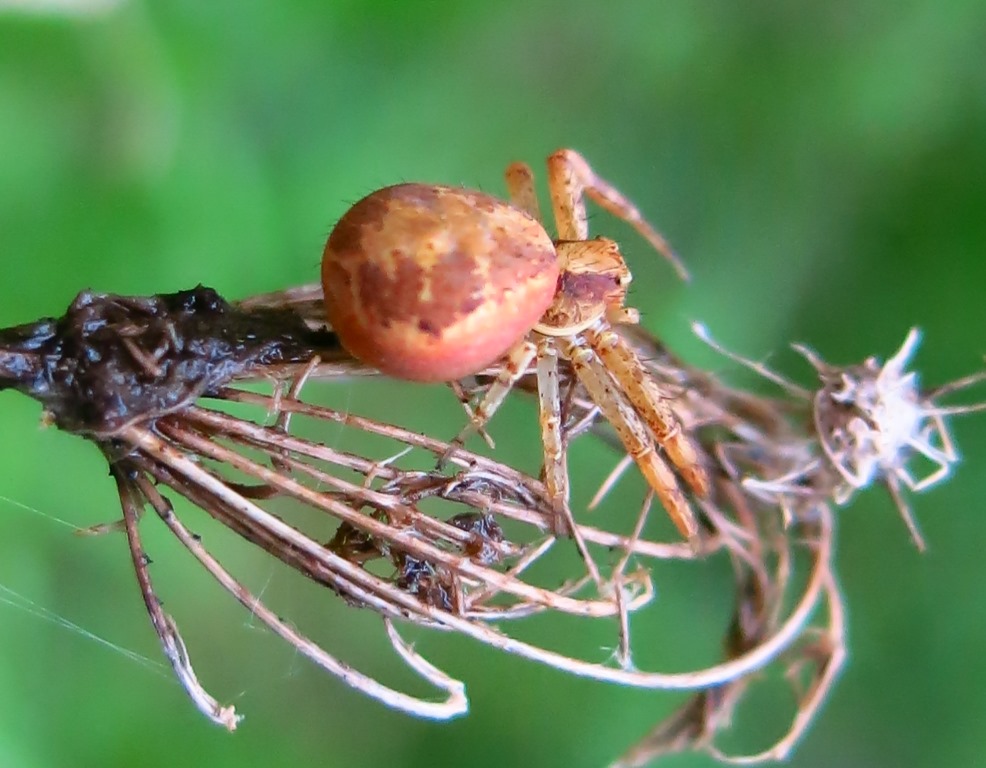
point(457, 545)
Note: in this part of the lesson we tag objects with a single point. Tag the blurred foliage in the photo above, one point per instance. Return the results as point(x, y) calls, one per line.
point(820, 166)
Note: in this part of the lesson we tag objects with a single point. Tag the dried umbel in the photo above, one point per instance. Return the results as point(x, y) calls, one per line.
point(140, 378)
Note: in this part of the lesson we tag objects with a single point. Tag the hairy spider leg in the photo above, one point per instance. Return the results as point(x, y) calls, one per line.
point(570, 179)
point(628, 372)
point(520, 187)
point(632, 432)
point(550, 420)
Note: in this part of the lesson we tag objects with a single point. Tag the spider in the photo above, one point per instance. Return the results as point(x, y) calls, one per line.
point(434, 283)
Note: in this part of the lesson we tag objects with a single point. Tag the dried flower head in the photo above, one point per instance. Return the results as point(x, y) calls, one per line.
point(139, 377)
point(459, 545)
point(873, 423)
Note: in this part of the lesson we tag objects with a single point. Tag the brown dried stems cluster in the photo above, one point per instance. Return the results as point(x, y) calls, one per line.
point(459, 545)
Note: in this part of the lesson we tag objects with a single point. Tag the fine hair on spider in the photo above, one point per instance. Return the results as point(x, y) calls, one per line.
point(436, 283)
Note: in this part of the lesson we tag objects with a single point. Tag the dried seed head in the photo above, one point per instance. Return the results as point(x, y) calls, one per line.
point(433, 283)
point(873, 420)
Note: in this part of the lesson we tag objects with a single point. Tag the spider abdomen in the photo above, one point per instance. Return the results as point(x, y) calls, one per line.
point(432, 283)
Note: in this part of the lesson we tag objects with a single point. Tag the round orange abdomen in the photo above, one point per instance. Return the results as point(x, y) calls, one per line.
point(433, 283)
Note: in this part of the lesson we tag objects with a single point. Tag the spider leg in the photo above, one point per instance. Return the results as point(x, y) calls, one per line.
point(517, 362)
point(629, 374)
point(633, 434)
point(465, 397)
point(520, 185)
point(549, 402)
point(570, 177)
point(555, 457)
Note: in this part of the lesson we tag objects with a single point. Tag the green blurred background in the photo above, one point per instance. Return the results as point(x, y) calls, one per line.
point(821, 167)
